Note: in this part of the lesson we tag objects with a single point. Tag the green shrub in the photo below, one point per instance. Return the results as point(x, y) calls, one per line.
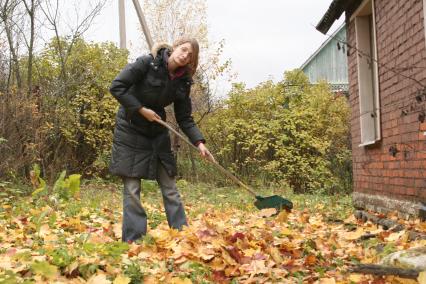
point(291, 132)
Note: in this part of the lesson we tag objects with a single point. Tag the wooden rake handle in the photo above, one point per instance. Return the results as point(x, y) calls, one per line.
point(210, 159)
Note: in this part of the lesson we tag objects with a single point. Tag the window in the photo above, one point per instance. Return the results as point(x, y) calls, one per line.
point(367, 73)
point(424, 17)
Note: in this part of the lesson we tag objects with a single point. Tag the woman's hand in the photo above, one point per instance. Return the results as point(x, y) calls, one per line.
point(149, 114)
point(205, 153)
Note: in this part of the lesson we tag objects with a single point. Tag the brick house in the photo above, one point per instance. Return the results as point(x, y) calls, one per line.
point(387, 94)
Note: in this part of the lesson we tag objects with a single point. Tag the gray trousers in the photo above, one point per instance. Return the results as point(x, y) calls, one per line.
point(134, 216)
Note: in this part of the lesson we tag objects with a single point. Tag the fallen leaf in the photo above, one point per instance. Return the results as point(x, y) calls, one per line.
point(310, 260)
point(351, 236)
point(304, 218)
point(44, 230)
point(286, 231)
point(395, 236)
point(282, 217)
point(327, 281)
point(178, 280)
point(276, 255)
point(121, 279)
point(236, 236)
point(116, 229)
point(268, 212)
point(227, 258)
point(45, 269)
point(422, 277)
point(98, 279)
point(354, 277)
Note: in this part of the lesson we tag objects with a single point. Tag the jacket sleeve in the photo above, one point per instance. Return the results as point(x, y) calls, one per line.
point(131, 74)
point(183, 114)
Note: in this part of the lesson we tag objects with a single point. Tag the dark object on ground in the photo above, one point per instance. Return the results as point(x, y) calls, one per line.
point(422, 212)
point(384, 270)
point(388, 224)
point(274, 201)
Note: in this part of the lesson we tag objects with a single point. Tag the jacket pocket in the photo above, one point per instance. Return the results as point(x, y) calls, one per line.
point(154, 82)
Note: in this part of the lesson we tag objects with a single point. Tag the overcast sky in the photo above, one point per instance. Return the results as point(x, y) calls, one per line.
point(263, 38)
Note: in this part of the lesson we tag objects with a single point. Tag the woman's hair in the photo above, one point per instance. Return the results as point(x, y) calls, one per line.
point(195, 51)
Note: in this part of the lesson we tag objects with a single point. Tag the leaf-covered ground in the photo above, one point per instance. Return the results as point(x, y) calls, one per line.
point(47, 240)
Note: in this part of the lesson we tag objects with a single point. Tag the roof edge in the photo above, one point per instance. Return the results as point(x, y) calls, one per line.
point(335, 10)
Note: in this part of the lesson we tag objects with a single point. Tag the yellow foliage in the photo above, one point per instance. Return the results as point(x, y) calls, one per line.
point(291, 131)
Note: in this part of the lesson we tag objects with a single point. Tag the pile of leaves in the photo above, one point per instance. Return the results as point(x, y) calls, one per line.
point(51, 239)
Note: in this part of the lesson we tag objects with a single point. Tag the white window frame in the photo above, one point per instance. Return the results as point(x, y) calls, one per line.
point(424, 18)
point(368, 81)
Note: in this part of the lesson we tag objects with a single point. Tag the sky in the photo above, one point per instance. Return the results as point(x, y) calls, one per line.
point(262, 38)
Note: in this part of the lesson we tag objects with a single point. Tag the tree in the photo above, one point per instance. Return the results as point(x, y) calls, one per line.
point(8, 12)
point(76, 27)
point(35, 83)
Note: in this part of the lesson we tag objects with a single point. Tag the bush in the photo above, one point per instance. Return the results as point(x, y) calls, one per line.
point(68, 120)
point(291, 131)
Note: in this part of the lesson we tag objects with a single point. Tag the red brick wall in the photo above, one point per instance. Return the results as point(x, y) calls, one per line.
point(400, 47)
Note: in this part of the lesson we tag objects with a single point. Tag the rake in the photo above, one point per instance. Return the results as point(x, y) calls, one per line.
point(274, 201)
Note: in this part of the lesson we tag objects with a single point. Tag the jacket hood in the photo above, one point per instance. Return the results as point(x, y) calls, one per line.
point(159, 46)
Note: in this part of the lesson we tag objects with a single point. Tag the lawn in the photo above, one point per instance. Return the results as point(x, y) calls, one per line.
point(45, 238)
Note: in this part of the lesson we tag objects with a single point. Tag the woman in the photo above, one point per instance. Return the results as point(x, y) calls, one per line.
point(141, 147)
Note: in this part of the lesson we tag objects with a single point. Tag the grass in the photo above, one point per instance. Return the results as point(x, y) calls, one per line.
point(197, 198)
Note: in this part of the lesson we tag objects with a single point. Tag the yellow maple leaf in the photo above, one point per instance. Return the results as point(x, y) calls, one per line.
point(205, 253)
point(227, 258)
point(255, 267)
point(75, 223)
point(260, 223)
point(98, 279)
point(327, 281)
point(44, 269)
point(44, 230)
point(422, 277)
point(395, 236)
point(178, 280)
point(350, 236)
point(276, 255)
point(50, 238)
point(356, 277)
point(399, 280)
point(286, 231)
point(218, 264)
point(250, 252)
point(161, 236)
point(99, 239)
point(116, 228)
point(304, 218)
point(282, 217)
point(121, 279)
point(5, 262)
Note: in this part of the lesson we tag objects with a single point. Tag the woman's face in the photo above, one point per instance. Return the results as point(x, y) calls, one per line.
point(182, 54)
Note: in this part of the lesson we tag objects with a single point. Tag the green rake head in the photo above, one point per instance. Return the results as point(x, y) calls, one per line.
point(274, 201)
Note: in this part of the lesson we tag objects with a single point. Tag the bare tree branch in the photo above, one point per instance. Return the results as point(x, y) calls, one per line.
point(7, 9)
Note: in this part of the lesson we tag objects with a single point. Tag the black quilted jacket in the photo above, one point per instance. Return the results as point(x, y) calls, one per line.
point(139, 144)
